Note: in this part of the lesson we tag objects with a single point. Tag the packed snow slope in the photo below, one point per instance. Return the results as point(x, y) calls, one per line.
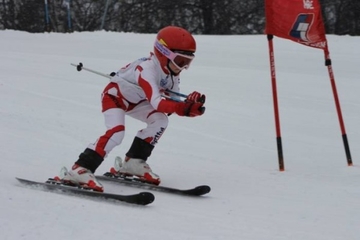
point(49, 113)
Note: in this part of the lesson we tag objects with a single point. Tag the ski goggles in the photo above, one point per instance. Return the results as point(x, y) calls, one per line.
point(181, 59)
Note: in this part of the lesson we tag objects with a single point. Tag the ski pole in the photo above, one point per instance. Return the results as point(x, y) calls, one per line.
point(176, 93)
point(171, 98)
point(80, 67)
point(202, 98)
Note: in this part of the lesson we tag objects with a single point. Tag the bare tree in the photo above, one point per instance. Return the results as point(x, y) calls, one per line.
point(148, 16)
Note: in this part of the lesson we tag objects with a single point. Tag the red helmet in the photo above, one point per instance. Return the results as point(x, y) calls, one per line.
point(175, 39)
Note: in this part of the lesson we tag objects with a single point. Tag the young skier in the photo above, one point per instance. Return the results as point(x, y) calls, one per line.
point(141, 91)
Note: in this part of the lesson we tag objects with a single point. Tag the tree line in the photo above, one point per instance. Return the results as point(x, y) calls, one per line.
point(216, 17)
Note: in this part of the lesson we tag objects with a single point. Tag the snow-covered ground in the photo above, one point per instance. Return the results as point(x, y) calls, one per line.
point(49, 113)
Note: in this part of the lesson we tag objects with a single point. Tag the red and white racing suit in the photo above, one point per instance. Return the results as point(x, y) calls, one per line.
point(136, 90)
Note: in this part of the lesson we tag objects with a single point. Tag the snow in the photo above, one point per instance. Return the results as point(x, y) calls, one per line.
point(49, 113)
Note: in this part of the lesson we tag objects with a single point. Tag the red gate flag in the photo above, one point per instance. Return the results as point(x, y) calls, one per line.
point(299, 21)
point(296, 20)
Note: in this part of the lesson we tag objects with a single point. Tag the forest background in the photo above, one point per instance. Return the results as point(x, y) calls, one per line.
point(225, 17)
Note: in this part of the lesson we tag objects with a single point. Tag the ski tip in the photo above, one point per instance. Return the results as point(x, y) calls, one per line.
point(22, 180)
point(19, 179)
point(203, 189)
point(146, 198)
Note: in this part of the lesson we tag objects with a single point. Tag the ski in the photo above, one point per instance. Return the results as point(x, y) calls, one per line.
point(135, 182)
point(52, 185)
